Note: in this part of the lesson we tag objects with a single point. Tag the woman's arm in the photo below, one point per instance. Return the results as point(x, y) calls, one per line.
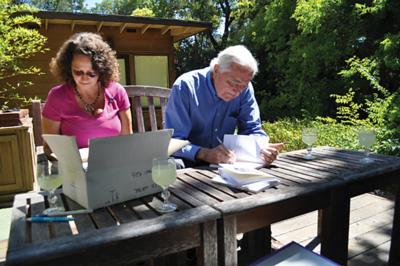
point(49, 127)
point(126, 121)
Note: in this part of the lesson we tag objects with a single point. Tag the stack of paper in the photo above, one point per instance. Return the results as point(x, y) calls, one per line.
point(247, 149)
point(248, 179)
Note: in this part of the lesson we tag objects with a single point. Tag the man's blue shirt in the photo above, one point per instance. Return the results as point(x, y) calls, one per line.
point(197, 114)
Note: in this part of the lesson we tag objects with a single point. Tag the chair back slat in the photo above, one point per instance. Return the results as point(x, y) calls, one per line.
point(152, 113)
point(138, 113)
point(37, 122)
point(163, 103)
point(153, 94)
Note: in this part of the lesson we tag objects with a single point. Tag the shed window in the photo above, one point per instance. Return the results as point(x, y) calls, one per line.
point(151, 70)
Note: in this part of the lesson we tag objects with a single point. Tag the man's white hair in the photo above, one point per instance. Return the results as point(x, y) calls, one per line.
point(237, 54)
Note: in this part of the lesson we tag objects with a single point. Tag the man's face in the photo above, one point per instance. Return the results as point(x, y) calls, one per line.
point(230, 82)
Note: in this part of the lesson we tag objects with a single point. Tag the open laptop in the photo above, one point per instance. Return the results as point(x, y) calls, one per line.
point(118, 168)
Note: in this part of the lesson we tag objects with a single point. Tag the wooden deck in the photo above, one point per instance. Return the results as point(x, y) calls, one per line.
point(371, 220)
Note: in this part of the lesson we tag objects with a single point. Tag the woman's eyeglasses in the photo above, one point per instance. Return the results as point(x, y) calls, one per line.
point(80, 73)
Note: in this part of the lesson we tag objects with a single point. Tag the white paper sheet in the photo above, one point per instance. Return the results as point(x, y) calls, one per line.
point(175, 145)
point(244, 176)
point(247, 149)
point(253, 187)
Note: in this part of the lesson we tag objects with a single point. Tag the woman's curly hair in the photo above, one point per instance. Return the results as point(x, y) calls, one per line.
point(103, 58)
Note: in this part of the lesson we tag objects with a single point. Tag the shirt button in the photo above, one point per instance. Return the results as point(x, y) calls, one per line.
point(216, 129)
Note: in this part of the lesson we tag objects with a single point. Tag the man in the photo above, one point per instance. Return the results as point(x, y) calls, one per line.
point(208, 103)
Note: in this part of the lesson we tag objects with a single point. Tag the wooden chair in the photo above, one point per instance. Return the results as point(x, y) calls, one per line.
point(37, 122)
point(151, 93)
point(135, 92)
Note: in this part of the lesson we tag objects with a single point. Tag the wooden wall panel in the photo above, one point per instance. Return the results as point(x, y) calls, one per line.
point(149, 43)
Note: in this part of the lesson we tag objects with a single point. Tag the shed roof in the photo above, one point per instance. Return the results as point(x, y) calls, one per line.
point(178, 29)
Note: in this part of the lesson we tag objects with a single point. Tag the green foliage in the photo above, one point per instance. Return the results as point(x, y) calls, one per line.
point(18, 42)
point(143, 12)
point(56, 5)
point(330, 133)
point(390, 52)
point(116, 7)
point(348, 110)
point(304, 48)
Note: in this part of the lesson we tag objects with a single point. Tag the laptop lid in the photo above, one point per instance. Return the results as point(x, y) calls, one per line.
point(119, 168)
point(70, 166)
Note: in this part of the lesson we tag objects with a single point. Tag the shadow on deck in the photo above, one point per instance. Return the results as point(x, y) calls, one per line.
point(371, 221)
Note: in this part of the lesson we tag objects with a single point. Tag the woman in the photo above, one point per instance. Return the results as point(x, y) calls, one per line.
point(90, 103)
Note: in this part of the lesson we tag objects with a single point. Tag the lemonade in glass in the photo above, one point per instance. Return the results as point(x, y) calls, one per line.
point(163, 172)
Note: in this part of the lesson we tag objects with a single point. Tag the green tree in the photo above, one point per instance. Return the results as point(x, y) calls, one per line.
point(227, 16)
point(116, 7)
point(143, 12)
point(19, 41)
point(197, 51)
point(304, 46)
point(56, 5)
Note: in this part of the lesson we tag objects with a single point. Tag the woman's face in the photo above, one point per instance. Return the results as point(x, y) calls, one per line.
point(82, 71)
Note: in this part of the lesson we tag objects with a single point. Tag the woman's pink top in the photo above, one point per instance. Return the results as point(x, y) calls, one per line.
point(62, 106)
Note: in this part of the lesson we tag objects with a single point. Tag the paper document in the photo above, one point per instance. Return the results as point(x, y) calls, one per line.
point(245, 178)
point(242, 176)
point(84, 152)
point(175, 145)
point(253, 187)
point(247, 149)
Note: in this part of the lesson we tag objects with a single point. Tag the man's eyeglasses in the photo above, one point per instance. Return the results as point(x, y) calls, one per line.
point(80, 73)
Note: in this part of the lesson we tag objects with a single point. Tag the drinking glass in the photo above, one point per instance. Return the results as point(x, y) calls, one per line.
point(309, 137)
point(49, 178)
point(366, 138)
point(163, 172)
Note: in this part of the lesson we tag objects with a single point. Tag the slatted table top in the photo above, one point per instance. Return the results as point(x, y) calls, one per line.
point(88, 237)
point(331, 167)
point(199, 199)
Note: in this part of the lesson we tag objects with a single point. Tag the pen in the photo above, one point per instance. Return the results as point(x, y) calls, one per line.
point(65, 213)
point(43, 219)
point(222, 144)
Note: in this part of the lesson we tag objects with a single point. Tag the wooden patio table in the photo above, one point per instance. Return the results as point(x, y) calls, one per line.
point(133, 231)
point(121, 234)
point(326, 183)
point(358, 178)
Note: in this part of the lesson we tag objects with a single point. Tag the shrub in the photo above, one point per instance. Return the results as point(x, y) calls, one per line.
point(19, 41)
point(330, 133)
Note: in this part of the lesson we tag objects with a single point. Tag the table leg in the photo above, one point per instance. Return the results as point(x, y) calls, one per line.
point(227, 246)
point(334, 226)
point(394, 255)
point(209, 246)
point(255, 245)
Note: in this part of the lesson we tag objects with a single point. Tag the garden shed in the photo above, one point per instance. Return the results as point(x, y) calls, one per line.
point(144, 45)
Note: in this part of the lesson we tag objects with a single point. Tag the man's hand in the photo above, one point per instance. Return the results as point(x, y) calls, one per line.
point(270, 153)
point(219, 154)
